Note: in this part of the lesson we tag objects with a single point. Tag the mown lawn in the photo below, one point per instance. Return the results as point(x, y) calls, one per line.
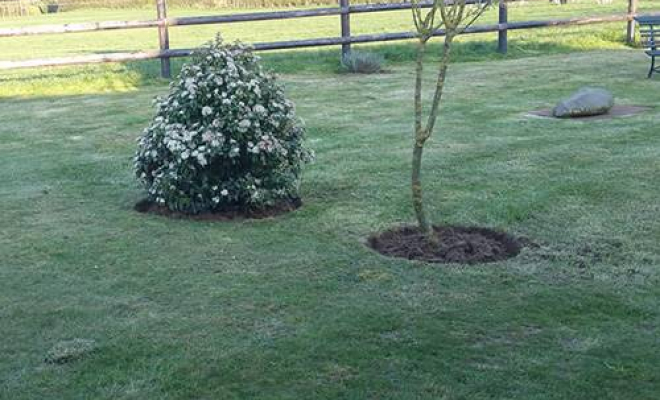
point(297, 307)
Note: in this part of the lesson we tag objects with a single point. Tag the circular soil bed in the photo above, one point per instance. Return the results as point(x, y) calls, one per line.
point(149, 207)
point(464, 245)
point(616, 111)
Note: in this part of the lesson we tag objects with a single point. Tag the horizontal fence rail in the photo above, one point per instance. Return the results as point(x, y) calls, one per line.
point(345, 40)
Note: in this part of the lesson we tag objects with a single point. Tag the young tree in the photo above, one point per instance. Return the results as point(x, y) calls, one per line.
point(454, 16)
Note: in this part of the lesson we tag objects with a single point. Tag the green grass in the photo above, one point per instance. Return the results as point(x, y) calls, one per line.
point(297, 307)
point(130, 76)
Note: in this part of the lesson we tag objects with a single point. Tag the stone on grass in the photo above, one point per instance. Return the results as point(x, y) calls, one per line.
point(585, 102)
point(70, 350)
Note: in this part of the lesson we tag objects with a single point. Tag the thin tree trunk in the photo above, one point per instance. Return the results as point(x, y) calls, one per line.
point(420, 137)
point(422, 133)
point(419, 71)
point(417, 194)
point(440, 85)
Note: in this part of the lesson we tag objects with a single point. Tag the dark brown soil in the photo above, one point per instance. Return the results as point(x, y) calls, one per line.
point(464, 245)
point(616, 111)
point(149, 207)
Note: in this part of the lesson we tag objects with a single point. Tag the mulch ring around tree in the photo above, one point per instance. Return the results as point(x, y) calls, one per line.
point(457, 244)
point(148, 207)
point(616, 111)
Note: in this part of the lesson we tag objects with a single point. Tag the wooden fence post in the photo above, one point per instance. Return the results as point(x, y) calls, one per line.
point(345, 27)
point(502, 33)
point(630, 32)
point(163, 38)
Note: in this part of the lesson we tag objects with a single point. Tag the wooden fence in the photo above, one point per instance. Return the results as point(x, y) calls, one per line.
point(344, 11)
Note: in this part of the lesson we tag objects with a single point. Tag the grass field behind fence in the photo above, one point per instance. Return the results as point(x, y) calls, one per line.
point(12, 6)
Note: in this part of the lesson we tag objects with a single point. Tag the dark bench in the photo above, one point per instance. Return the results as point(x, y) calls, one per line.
point(649, 32)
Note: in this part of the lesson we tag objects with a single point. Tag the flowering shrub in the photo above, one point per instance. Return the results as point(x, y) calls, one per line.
point(224, 137)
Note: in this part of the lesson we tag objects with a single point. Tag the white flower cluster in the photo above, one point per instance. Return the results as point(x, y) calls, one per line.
point(224, 137)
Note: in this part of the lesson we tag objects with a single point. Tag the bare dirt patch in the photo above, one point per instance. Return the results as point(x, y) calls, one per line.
point(148, 207)
point(457, 244)
point(616, 111)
